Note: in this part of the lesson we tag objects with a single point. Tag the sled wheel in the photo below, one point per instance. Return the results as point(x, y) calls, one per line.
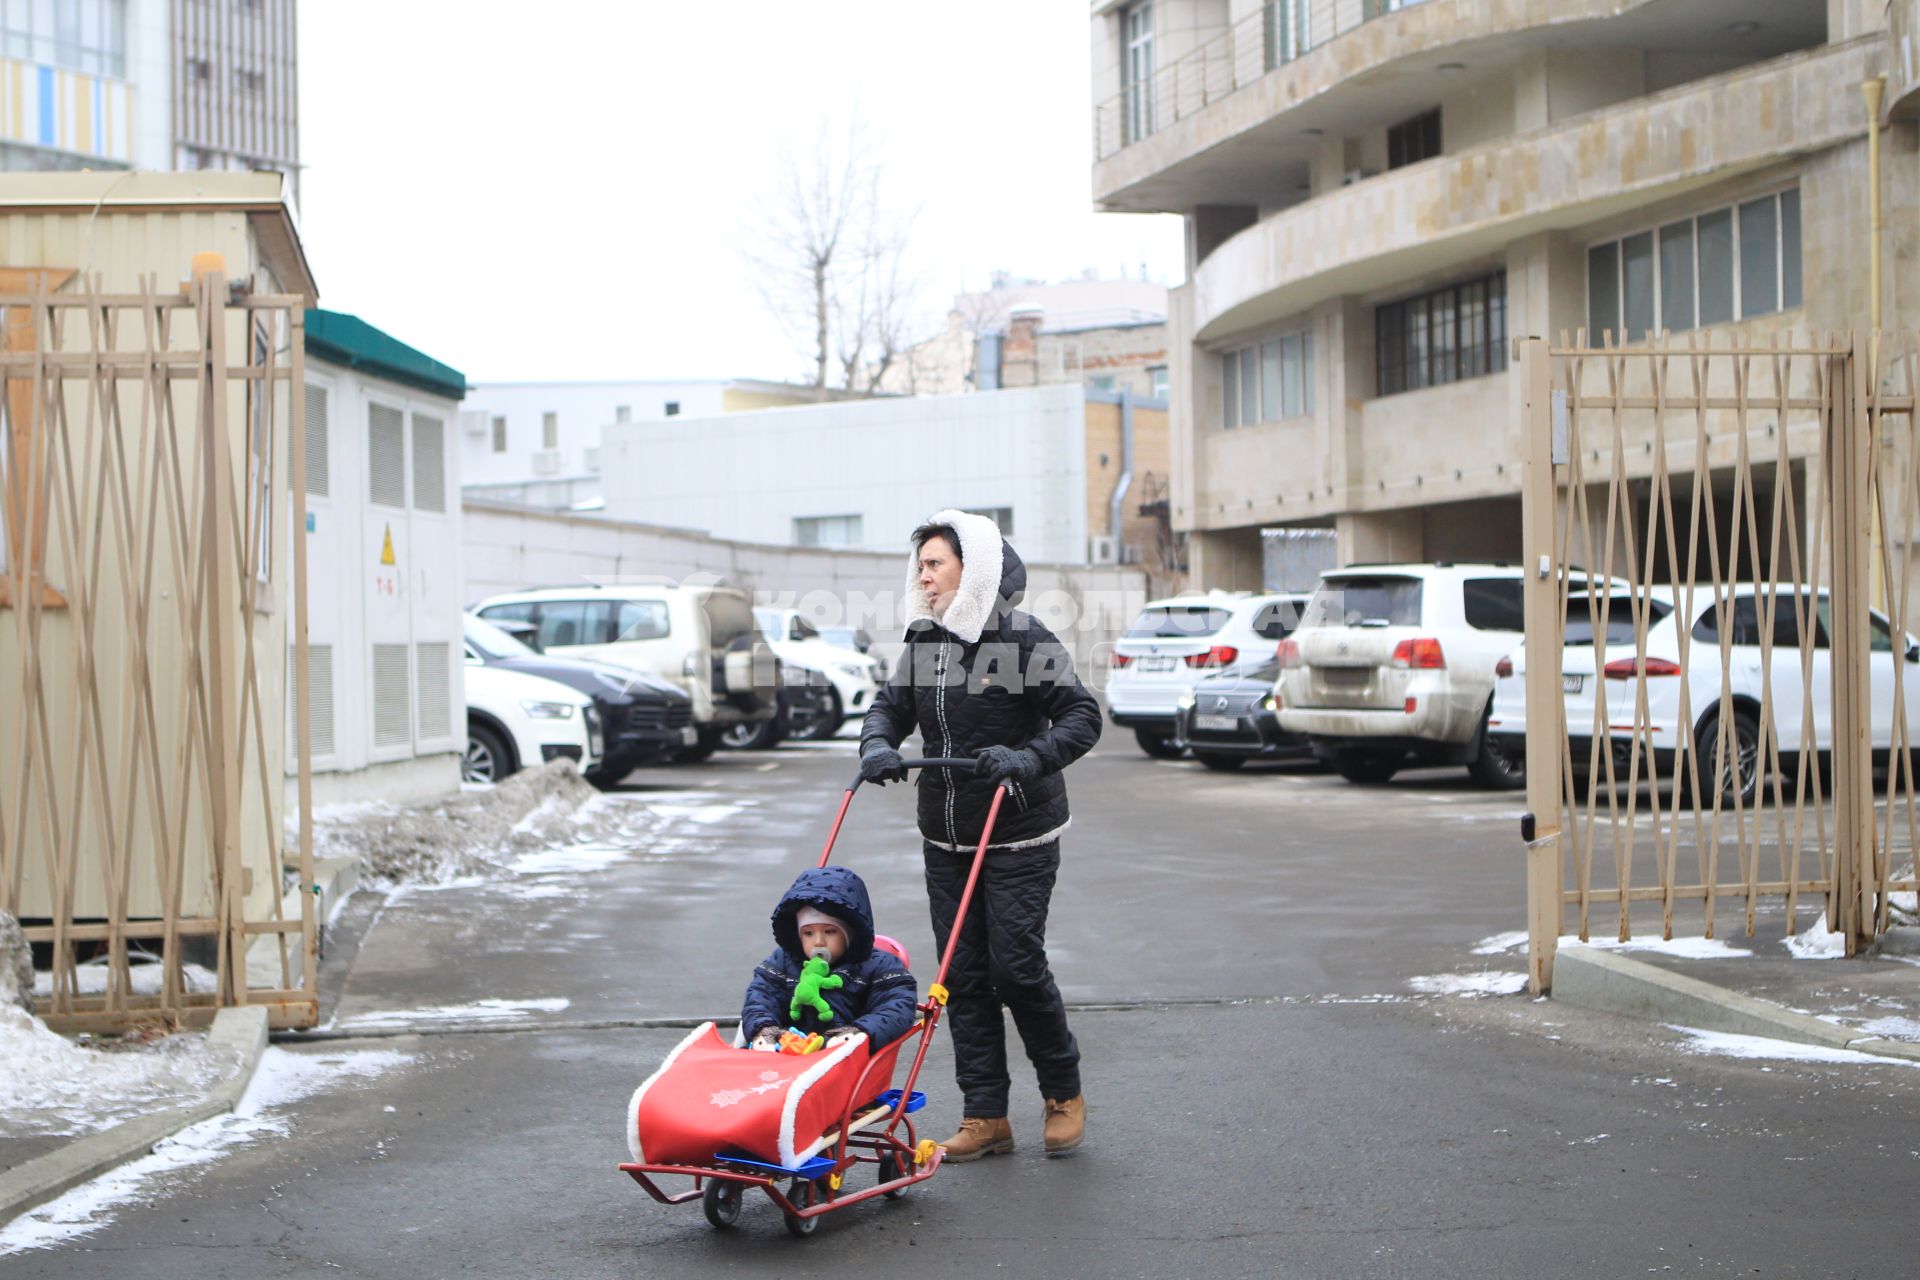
point(802, 1193)
point(889, 1170)
point(721, 1203)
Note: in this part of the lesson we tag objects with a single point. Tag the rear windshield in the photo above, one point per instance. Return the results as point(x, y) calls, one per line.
point(1365, 601)
point(1178, 622)
point(1582, 610)
point(1276, 621)
point(729, 617)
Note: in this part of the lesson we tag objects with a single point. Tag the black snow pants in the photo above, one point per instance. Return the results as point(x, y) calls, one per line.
point(1002, 960)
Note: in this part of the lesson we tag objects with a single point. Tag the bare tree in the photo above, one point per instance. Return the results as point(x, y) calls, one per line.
point(828, 254)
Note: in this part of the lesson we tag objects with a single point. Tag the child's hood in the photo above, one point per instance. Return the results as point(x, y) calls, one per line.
point(838, 892)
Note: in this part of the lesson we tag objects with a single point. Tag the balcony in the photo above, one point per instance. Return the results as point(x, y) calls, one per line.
point(1236, 119)
point(1429, 216)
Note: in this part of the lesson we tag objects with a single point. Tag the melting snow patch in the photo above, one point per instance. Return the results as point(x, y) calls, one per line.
point(1499, 942)
point(50, 1085)
point(1816, 942)
point(1469, 984)
point(1893, 1028)
point(478, 1011)
point(282, 1078)
point(702, 813)
point(1680, 948)
point(1727, 1045)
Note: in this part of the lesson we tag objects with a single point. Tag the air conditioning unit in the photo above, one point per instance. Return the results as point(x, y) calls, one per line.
point(1102, 550)
point(1352, 176)
point(593, 459)
point(546, 462)
point(473, 421)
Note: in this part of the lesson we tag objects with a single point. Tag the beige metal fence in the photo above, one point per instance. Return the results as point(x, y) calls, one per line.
point(144, 619)
point(1725, 535)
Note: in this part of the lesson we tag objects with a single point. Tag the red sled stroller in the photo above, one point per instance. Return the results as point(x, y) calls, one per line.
point(793, 1125)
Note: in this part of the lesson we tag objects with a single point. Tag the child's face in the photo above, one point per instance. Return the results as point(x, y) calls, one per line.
point(815, 938)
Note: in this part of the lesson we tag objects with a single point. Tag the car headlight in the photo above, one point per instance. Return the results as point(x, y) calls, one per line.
point(1186, 702)
point(1269, 703)
point(548, 710)
point(852, 670)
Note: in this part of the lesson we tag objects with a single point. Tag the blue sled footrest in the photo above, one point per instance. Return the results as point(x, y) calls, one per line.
point(816, 1167)
point(891, 1098)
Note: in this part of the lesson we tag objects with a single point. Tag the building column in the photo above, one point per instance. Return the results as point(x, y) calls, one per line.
point(1380, 537)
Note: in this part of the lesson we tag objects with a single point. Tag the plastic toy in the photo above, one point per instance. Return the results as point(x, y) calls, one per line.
point(816, 977)
point(794, 1040)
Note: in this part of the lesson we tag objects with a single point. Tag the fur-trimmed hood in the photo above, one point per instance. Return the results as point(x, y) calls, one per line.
point(992, 578)
point(838, 892)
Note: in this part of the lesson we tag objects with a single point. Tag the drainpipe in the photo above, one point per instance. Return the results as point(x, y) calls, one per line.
point(1115, 504)
point(1872, 91)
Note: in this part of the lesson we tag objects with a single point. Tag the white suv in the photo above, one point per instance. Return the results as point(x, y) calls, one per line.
point(851, 673)
point(1394, 664)
point(1177, 642)
point(701, 639)
point(516, 720)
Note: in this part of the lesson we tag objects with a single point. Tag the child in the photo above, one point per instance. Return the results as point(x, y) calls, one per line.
point(826, 912)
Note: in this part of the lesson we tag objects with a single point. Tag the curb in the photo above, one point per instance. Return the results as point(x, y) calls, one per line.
point(27, 1186)
point(1611, 983)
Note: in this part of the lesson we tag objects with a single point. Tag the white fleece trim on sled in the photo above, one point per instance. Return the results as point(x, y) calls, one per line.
point(1017, 844)
point(980, 569)
point(795, 1091)
point(633, 1104)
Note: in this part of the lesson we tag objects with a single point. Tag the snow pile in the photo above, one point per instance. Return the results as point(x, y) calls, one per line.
point(1817, 942)
point(283, 1078)
point(479, 834)
point(1679, 948)
point(50, 1085)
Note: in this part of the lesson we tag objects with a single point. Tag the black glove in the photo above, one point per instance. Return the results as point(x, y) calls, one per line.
point(1004, 764)
point(881, 764)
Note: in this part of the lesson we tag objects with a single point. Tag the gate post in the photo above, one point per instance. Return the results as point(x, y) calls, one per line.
point(1532, 391)
point(1850, 438)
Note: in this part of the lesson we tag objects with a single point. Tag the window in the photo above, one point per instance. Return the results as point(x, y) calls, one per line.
point(1136, 69)
point(673, 409)
point(1002, 517)
point(1351, 601)
point(199, 69)
point(80, 35)
point(1178, 622)
point(1723, 265)
point(1157, 380)
point(1441, 337)
point(562, 623)
point(1614, 612)
point(618, 621)
point(549, 430)
point(827, 531)
point(251, 82)
point(499, 435)
point(1494, 604)
point(1276, 621)
point(519, 611)
point(623, 413)
point(1412, 141)
point(1269, 380)
point(1289, 30)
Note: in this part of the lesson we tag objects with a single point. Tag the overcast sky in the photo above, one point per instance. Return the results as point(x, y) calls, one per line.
point(557, 190)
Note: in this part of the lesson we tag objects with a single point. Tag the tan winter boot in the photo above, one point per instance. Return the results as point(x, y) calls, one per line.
point(979, 1136)
point(1066, 1124)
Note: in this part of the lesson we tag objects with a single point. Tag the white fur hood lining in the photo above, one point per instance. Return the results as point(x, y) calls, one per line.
point(980, 573)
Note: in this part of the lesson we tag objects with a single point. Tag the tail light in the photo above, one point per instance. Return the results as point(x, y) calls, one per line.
point(1289, 653)
point(1419, 654)
point(1122, 659)
point(1220, 655)
point(1628, 668)
point(1503, 668)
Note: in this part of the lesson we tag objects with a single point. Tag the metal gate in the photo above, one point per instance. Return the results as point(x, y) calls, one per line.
point(1722, 688)
point(145, 441)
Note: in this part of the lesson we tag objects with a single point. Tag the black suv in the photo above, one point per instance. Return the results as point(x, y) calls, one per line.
point(642, 718)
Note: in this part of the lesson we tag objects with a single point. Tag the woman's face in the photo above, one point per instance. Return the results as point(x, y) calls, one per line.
point(939, 572)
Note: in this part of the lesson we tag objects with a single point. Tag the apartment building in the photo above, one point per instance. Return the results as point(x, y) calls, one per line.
point(1381, 194)
point(149, 84)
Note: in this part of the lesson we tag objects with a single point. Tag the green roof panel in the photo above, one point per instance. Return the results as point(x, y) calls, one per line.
point(339, 338)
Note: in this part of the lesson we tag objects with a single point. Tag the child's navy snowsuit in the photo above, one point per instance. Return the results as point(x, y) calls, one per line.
point(878, 993)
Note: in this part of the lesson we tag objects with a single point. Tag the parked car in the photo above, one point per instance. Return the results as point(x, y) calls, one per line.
point(642, 717)
point(1589, 674)
point(1394, 664)
point(1234, 717)
point(1176, 643)
point(852, 678)
point(807, 708)
point(515, 720)
point(857, 639)
point(700, 639)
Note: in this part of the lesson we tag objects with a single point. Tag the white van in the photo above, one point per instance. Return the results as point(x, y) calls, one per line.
point(701, 639)
point(1177, 642)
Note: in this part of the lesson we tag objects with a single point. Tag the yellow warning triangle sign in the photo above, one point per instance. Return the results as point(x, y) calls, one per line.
point(386, 548)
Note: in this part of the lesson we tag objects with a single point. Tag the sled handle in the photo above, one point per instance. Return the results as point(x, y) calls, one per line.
point(924, 762)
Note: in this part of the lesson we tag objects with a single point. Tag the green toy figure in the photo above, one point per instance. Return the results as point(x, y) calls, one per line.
point(815, 977)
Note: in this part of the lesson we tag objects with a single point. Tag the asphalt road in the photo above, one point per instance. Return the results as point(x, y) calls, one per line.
point(1274, 1097)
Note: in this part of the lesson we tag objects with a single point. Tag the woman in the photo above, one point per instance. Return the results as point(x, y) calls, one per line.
point(982, 679)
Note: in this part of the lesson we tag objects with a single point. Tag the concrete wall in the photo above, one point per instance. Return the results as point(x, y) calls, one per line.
point(509, 549)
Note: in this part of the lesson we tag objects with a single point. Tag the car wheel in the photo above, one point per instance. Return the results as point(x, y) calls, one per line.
point(1737, 777)
point(1219, 763)
point(706, 745)
point(488, 757)
point(1498, 765)
point(830, 720)
point(1359, 764)
point(758, 735)
point(1159, 745)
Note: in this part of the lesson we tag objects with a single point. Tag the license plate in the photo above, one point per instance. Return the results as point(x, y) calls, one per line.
point(689, 736)
point(1216, 724)
point(1156, 664)
point(1573, 684)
